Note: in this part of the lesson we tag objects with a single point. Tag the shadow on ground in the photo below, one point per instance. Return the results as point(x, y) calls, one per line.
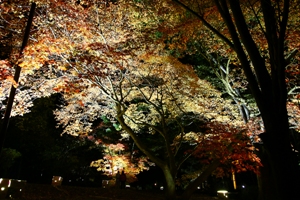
point(49, 192)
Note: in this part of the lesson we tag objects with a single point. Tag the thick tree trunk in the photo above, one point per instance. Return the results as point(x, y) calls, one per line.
point(280, 172)
point(264, 184)
point(170, 184)
point(265, 180)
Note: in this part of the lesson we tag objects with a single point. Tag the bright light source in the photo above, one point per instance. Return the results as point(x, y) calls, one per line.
point(243, 186)
point(1, 179)
point(198, 187)
point(57, 180)
point(127, 186)
point(3, 188)
point(162, 188)
point(222, 193)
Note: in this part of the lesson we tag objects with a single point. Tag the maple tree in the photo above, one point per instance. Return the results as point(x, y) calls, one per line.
point(113, 68)
point(152, 99)
point(45, 61)
point(103, 81)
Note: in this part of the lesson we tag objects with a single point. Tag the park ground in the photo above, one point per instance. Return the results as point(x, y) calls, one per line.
point(49, 192)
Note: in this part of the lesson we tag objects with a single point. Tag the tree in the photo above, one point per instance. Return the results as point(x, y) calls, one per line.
point(44, 72)
point(41, 151)
point(263, 50)
point(155, 100)
point(113, 68)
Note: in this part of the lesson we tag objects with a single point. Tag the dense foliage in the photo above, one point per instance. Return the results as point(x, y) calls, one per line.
point(136, 65)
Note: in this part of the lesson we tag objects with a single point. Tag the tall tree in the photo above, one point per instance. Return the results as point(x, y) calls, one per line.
point(157, 100)
point(258, 32)
point(113, 68)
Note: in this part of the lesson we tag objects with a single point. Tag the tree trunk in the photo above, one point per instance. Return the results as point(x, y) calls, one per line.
point(170, 184)
point(190, 189)
point(280, 174)
point(265, 179)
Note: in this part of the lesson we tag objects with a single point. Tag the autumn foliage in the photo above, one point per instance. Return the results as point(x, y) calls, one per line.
point(119, 59)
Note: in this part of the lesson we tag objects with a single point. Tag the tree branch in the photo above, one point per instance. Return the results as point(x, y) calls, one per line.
point(209, 26)
point(136, 139)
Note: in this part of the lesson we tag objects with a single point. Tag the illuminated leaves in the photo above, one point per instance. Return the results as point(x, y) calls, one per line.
point(294, 113)
point(231, 145)
point(5, 69)
point(109, 60)
point(117, 159)
point(62, 31)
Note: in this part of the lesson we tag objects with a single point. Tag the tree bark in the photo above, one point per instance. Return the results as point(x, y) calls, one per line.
point(280, 172)
point(170, 184)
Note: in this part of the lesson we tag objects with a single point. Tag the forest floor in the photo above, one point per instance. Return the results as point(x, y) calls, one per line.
point(48, 192)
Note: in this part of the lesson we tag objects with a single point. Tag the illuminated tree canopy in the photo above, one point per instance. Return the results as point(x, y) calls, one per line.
point(122, 60)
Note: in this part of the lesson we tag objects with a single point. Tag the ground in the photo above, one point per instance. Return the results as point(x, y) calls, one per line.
point(48, 192)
